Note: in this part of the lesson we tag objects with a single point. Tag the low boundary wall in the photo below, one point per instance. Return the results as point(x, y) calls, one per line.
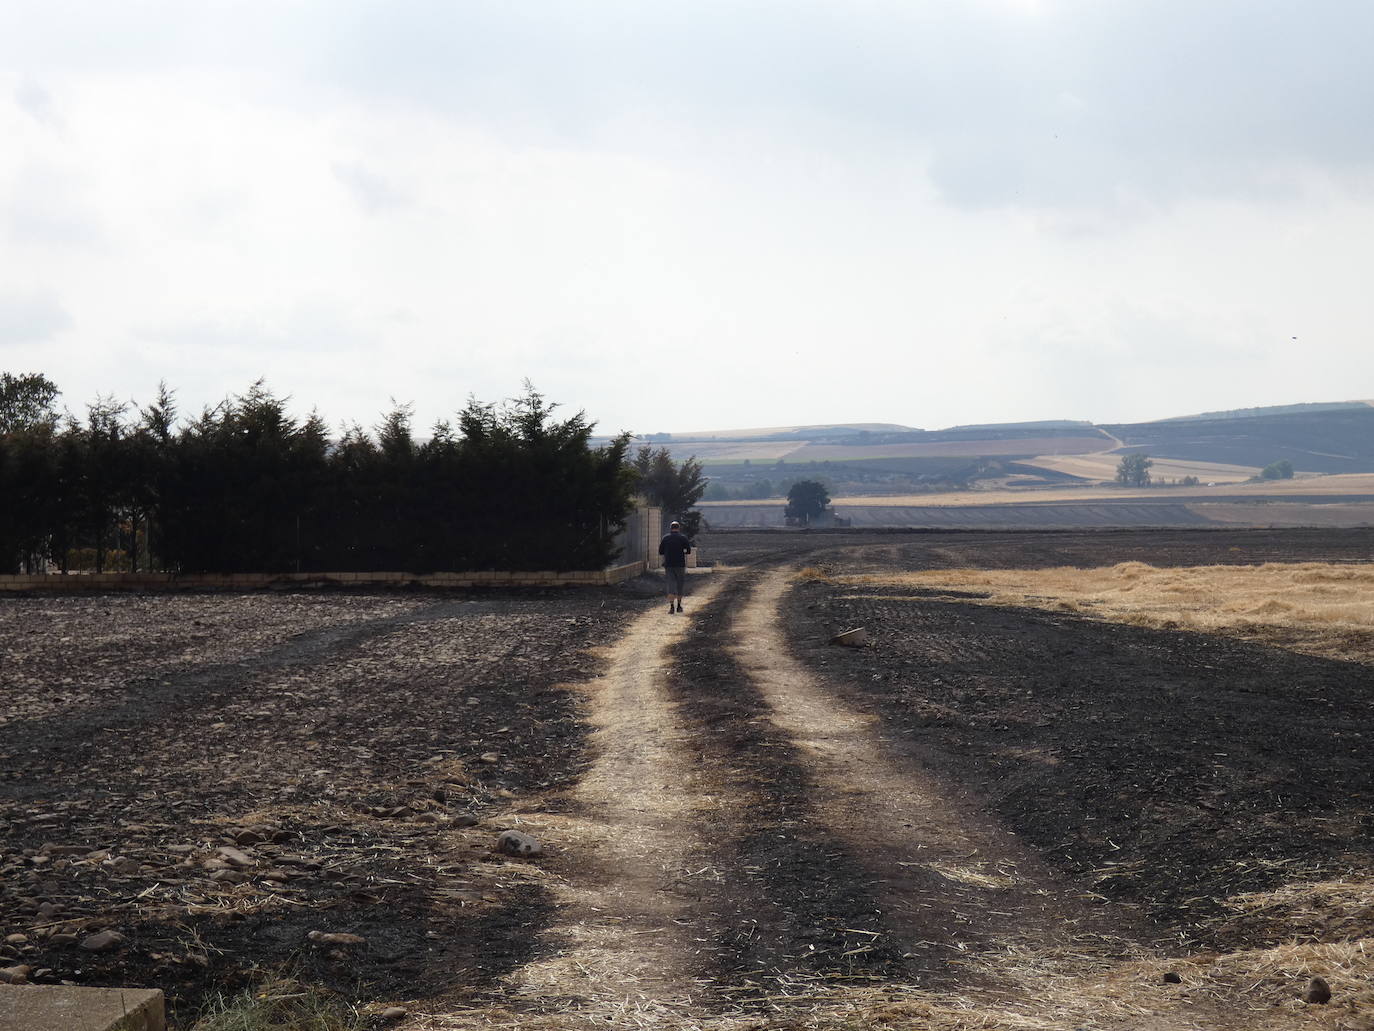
point(75, 582)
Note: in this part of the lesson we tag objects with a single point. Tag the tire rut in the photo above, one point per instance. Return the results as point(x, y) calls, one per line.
point(626, 940)
point(748, 851)
point(795, 907)
point(953, 887)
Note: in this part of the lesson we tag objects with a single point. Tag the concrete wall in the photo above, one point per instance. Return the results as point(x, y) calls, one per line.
point(638, 541)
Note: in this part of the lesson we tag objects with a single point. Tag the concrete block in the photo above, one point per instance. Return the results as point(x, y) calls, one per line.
point(60, 1008)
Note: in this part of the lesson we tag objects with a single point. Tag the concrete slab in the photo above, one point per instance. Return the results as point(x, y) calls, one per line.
point(59, 1008)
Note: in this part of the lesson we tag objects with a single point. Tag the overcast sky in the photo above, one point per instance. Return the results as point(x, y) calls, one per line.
point(688, 216)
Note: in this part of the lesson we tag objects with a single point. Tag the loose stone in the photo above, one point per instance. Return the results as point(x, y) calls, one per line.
point(235, 857)
point(517, 843)
point(103, 941)
point(1318, 991)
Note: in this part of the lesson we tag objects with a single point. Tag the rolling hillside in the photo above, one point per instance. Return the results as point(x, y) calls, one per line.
point(1339, 440)
point(885, 458)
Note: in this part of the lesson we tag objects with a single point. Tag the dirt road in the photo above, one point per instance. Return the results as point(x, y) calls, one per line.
point(746, 841)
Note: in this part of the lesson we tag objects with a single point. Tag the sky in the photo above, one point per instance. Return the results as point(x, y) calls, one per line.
point(688, 216)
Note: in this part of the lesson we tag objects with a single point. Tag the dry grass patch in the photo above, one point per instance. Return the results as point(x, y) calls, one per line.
point(282, 1005)
point(1331, 605)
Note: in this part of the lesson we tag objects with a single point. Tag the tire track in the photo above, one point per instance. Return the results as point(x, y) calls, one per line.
point(794, 906)
point(626, 942)
point(936, 864)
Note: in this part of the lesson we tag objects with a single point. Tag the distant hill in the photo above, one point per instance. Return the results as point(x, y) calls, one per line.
point(775, 433)
point(866, 458)
point(1315, 438)
point(1251, 413)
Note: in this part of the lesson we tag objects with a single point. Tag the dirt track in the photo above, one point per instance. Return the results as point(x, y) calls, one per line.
point(742, 823)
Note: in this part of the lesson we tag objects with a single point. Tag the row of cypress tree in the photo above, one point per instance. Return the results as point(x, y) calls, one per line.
point(245, 487)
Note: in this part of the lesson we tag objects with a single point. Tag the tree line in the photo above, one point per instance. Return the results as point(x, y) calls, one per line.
point(245, 487)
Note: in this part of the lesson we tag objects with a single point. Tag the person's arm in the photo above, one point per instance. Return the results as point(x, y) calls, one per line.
point(660, 545)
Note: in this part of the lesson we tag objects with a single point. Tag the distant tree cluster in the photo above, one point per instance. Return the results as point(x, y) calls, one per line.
point(1280, 470)
point(756, 491)
point(244, 487)
point(1134, 470)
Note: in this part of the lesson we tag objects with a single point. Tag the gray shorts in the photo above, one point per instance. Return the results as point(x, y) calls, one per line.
point(677, 579)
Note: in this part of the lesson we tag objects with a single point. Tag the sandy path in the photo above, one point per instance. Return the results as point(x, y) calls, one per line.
point(624, 944)
point(939, 867)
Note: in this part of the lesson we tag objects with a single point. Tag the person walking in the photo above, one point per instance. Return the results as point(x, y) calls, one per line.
point(675, 547)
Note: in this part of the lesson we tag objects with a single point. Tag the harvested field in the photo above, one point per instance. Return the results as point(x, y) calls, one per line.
point(1102, 466)
point(994, 815)
point(1324, 608)
point(1287, 513)
point(1348, 487)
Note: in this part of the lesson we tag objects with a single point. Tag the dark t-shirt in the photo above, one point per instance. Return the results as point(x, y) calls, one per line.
point(674, 548)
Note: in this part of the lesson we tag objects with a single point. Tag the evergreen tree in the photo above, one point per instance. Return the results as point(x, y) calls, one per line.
point(666, 485)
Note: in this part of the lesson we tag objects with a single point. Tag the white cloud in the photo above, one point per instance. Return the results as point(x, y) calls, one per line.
point(678, 217)
point(31, 318)
point(37, 103)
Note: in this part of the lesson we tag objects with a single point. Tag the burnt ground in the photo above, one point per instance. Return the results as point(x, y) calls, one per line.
point(1167, 769)
point(344, 742)
point(341, 742)
point(989, 549)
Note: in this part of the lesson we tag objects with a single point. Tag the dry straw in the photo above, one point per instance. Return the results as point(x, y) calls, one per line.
point(1322, 607)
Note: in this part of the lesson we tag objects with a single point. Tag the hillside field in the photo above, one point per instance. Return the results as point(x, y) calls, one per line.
point(1103, 465)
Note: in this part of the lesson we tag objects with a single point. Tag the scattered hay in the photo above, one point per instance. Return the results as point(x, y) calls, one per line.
point(1340, 909)
point(1259, 989)
point(1322, 608)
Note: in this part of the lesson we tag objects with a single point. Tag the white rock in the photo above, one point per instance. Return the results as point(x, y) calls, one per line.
point(517, 843)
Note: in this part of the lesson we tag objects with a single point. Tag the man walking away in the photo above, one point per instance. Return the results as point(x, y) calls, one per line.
point(675, 548)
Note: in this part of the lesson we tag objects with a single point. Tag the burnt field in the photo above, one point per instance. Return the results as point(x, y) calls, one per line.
point(353, 752)
point(213, 777)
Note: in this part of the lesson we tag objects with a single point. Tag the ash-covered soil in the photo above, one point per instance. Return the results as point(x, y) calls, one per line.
point(1169, 770)
point(214, 777)
point(964, 549)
